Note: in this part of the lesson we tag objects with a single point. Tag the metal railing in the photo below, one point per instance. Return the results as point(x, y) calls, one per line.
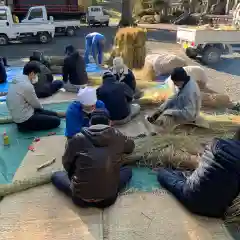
point(50, 8)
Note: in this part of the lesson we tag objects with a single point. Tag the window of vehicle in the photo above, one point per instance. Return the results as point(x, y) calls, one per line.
point(35, 13)
point(3, 15)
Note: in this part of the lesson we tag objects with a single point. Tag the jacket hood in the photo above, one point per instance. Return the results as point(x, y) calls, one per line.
point(75, 54)
point(20, 78)
point(229, 150)
point(99, 135)
point(109, 79)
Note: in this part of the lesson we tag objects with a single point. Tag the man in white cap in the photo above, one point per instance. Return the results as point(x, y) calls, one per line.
point(79, 111)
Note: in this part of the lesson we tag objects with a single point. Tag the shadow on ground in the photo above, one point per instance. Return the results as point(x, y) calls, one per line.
point(159, 35)
point(230, 66)
point(56, 47)
point(233, 230)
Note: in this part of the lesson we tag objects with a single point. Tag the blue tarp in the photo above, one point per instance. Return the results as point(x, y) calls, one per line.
point(13, 71)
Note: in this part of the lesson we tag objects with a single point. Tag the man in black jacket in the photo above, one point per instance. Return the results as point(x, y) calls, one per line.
point(3, 73)
point(213, 186)
point(117, 97)
point(74, 70)
point(93, 162)
point(45, 86)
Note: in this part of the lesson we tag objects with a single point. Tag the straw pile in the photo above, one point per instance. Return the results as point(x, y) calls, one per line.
point(146, 73)
point(130, 44)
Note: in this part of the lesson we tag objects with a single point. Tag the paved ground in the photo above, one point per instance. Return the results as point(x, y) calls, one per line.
point(225, 78)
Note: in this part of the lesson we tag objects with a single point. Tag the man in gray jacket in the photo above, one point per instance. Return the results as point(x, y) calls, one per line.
point(24, 106)
point(183, 107)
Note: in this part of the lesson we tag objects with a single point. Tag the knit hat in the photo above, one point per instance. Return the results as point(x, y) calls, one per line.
point(100, 116)
point(107, 74)
point(87, 96)
point(179, 75)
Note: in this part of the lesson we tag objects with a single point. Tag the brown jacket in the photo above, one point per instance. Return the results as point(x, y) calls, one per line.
point(93, 159)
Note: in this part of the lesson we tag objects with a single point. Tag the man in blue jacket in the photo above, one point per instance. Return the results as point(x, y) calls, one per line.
point(79, 112)
point(213, 186)
point(94, 46)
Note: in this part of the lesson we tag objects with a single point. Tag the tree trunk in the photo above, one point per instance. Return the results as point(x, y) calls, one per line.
point(126, 19)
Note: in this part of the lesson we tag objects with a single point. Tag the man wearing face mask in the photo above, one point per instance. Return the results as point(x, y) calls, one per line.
point(45, 86)
point(24, 106)
point(183, 107)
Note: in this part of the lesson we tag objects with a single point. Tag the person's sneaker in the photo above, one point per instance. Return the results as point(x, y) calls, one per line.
point(62, 90)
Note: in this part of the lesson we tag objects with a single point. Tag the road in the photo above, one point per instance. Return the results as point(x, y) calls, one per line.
point(225, 78)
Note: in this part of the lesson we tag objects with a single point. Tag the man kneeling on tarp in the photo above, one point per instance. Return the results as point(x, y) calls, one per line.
point(213, 186)
point(24, 106)
point(93, 160)
point(79, 112)
point(183, 107)
point(117, 98)
point(45, 86)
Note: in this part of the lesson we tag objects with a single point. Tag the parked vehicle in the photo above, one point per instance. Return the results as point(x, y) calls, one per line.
point(10, 31)
point(97, 16)
point(209, 43)
point(60, 9)
point(38, 14)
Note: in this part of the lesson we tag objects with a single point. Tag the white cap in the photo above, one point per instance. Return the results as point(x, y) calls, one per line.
point(87, 96)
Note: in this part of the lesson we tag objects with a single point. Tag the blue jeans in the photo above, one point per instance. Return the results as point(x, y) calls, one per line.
point(173, 181)
point(94, 52)
point(62, 182)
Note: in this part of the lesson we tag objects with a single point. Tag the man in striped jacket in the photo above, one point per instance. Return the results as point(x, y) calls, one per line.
point(213, 186)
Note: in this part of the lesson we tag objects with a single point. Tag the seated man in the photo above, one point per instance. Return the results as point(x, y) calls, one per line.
point(212, 187)
point(117, 98)
point(74, 70)
point(183, 107)
point(93, 160)
point(94, 45)
point(3, 73)
point(45, 86)
point(79, 112)
point(24, 106)
point(123, 73)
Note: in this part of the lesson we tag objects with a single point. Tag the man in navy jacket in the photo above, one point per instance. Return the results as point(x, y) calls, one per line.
point(213, 186)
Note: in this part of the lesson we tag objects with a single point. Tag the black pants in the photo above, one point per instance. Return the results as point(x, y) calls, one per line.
point(48, 89)
point(61, 181)
point(41, 120)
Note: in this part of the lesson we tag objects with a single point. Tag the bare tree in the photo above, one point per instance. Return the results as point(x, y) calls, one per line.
point(126, 19)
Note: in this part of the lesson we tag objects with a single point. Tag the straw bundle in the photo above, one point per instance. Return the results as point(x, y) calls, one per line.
point(18, 186)
point(214, 100)
point(130, 44)
point(146, 73)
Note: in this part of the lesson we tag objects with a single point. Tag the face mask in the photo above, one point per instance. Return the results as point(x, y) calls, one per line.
point(35, 80)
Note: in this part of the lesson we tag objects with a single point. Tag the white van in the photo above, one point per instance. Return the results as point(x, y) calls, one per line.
point(96, 15)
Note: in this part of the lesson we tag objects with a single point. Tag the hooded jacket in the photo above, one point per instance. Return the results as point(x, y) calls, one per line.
point(21, 99)
point(115, 96)
point(213, 186)
point(74, 69)
point(3, 73)
point(93, 159)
